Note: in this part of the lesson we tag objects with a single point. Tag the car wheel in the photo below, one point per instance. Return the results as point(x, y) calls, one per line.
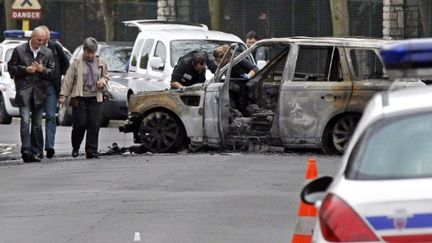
point(336, 137)
point(5, 118)
point(160, 132)
point(65, 115)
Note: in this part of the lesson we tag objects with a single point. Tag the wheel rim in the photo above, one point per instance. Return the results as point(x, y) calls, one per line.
point(343, 130)
point(159, 132)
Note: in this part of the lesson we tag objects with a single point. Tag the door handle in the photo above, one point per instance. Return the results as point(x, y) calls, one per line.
point(329, 97)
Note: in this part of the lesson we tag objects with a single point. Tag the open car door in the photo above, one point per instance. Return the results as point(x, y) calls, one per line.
point(223, 99)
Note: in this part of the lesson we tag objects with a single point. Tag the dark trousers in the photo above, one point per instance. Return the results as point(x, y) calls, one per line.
point(86, 117)
point(31, 138)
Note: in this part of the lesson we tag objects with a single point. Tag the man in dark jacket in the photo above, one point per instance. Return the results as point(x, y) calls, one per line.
point(191, 69)
point(53, 91)
point(31, 66)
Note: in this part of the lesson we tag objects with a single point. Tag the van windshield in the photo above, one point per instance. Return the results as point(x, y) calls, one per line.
point(180, 48)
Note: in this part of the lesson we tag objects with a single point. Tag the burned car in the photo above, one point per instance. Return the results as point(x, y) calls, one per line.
point(310, 93)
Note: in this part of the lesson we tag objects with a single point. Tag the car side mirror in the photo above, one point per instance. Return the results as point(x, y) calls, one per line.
point(261, 64)
point(156, 63)
point(315, 190)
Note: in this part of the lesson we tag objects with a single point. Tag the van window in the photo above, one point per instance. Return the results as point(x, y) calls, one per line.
point(145, 52)
point(134, 58)
point(318, 63)
point(366, 64)
point(160, 52)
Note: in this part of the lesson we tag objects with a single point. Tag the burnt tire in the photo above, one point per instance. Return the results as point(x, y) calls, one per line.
point(160, 132)
point(5, 118)
point(337, 136)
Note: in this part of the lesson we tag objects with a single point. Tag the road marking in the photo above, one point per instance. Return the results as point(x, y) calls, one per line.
point(137, 236)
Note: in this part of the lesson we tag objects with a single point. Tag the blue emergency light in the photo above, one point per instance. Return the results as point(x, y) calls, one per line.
point(408, 54)
point(21, 34)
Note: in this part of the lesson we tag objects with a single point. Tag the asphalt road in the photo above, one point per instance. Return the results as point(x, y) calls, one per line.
point(10, 141)
point(185, 197)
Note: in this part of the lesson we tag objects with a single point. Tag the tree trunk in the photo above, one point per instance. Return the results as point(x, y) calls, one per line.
point(424, 7)
point(340, 17)
point(10, 23)
point(214, 8)
point(109, 18)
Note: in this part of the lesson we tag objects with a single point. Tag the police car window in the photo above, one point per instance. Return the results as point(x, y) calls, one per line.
point(366, 64)
point(160, 52)
point(318, 63)
point(145, 52)
point(8, 56)
point(393, 148)
point(181, 47)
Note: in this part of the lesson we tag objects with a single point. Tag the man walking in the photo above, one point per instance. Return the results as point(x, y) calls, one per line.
point(31, 66)
point(53, 91)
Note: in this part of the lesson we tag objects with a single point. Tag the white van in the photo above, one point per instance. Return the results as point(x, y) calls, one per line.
point(161, 43)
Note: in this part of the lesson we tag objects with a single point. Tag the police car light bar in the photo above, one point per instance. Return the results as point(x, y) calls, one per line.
point(21, 34)
point(409, 58)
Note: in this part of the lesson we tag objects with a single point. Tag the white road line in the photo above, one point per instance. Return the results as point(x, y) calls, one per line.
point(137, 236)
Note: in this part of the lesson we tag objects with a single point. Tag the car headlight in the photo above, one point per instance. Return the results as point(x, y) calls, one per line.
point(117, 88)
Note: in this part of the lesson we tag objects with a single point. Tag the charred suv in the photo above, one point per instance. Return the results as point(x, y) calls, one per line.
point(310, 93)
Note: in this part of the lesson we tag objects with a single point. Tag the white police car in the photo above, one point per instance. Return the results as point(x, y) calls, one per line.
point(383, 191)
point(13, 38)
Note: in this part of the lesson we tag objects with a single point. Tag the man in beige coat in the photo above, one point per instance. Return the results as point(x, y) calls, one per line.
point(84, 83)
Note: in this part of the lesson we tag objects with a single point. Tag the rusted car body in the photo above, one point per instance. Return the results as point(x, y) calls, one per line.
point(309, 94)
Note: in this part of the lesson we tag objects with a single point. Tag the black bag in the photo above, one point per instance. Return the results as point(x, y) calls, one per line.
point(105, 94)
point(73, 102)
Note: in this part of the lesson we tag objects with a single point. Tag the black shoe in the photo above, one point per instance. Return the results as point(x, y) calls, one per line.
point(40, 156)
point(50, 153)
point(26, 157)
point(74, 153)
point(34, 158)
point(92, 156)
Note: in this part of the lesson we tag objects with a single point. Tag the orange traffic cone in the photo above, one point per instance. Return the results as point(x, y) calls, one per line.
point(307, 213)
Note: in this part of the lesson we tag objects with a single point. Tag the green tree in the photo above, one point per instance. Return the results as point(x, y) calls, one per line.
point(340, 17)
point(10, 23)
point(215, 13)
point(110, 17)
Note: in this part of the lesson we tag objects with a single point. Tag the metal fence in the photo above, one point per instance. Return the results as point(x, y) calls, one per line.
point(281, 18)
point(77, 19)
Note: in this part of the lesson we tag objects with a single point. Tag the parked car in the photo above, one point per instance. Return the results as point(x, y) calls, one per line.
point(310, 94)
point(13, 38)
point(382, 191)
point(117, 55)
point(160, 44)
